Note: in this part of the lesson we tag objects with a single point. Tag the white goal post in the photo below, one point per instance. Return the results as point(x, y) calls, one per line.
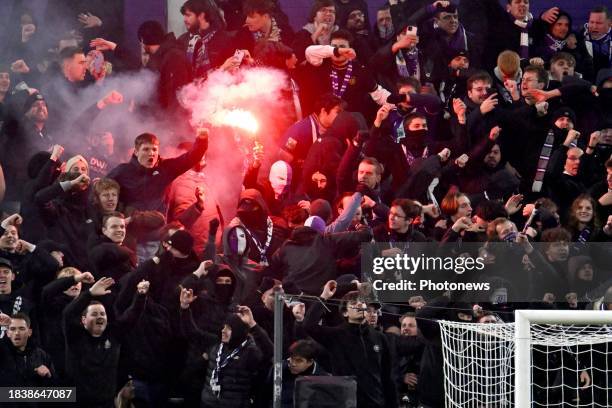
point(523, 319)
point(548, 358)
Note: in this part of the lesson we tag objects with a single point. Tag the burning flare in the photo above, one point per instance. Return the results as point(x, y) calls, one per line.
point(237, 118)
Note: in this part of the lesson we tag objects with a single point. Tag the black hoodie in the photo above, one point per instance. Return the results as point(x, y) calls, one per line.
point(174, 71)
point(253, 213)
point(308, 258)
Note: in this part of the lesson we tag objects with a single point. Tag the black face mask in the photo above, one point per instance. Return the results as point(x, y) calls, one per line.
point(560, 133)
point(224, 293)
point(415, 140)
point(252, 219)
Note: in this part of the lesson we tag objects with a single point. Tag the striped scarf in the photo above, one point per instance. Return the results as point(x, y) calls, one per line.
point(408, 63)
point(543, 162)
point(201, 63)
point(524, 25)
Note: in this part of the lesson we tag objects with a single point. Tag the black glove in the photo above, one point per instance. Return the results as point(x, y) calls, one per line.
point(213, 226)
point(363, 189)
point(361, 137)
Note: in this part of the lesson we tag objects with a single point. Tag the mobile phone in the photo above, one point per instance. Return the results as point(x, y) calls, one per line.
point(96, 63)
point(239, 54)
point(491, 91)
point(411, 30)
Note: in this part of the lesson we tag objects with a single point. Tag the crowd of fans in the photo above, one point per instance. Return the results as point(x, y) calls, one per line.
point(428, 122)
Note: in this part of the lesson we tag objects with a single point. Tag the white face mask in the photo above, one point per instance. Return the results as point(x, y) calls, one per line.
point(280, 176)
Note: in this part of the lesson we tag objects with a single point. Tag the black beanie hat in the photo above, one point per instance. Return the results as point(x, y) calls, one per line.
point(31, 100)
point(182, 241)
point(151, 33)
point(564, 111)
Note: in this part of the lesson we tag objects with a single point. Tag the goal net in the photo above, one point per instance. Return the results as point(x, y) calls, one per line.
point(547, 358)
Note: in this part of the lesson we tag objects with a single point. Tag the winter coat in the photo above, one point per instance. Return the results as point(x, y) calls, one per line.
point(308, 258)
point(236, 377)
point(109, 259)
point(66, 215)
point(17, 368)
point(92, 362)
point(174, 71)
point(357, 350)
point(53, 303)
point(143, 188)
point(181, 207)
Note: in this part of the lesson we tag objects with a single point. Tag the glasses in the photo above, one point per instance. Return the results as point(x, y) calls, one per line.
point(396, 215)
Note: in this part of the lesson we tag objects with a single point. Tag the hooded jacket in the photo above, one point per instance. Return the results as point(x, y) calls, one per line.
point(174, 71)
point(143, 188)
point(256, 224)
point(308, 258)
point(67, 217)
point(236, 378)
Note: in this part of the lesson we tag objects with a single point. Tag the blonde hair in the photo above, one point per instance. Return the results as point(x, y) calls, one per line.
point(68, 271)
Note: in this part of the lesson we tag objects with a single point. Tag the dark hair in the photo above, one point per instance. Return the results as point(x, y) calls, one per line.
point(556, 235)
point(257, 6)
point(327, 102)
point(295, 214)
point(210, 10)
point(374, 162)
point(412, 116)
point(343, 34)
point(410, 81)
point(479, 76)
point(318, 5)
point(600, 9)
point(492, 228)
point(145, 138)
point(115, 214)
point(410, 207)
point(352, 296)
point(92, 303)
point(151, 32)
point(489, 210)
point(558, 56)
point(539, 71)
point(24, 317)
point(609, 164)
point(69, 53)
point(304, 348)
point(272, 54)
